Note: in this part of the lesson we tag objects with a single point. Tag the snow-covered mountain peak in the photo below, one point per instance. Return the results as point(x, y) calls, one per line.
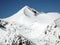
point(25, 11)
point(29, 27)
point(24, 16)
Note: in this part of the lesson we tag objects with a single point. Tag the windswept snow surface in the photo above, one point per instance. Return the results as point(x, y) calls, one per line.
point(29, 27)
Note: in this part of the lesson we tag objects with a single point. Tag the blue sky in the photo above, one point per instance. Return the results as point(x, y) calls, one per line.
point(9, 7)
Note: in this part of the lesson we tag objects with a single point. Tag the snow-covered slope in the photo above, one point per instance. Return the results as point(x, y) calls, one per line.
point(29, 27)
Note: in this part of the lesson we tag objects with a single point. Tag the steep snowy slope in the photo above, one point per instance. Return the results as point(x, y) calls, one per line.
point(11, 34)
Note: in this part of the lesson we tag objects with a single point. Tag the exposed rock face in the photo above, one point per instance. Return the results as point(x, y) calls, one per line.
point(20, 40)
point(3, 23)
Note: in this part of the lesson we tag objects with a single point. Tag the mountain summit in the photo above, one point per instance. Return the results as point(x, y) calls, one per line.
point(23, 15)
point(25, 11)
